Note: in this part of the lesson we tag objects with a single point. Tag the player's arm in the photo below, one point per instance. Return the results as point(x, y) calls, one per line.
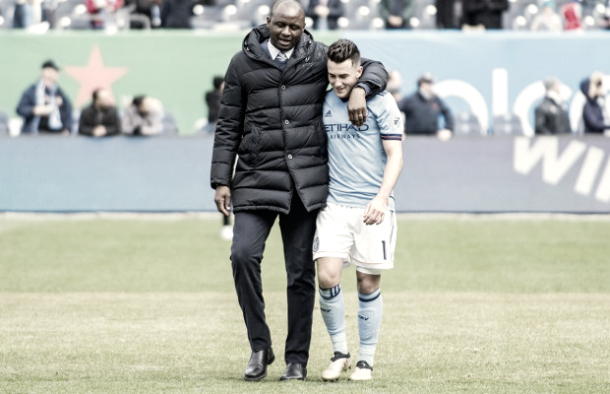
point(374, 212)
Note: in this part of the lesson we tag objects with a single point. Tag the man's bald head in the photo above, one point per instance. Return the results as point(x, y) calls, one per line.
point(286, 24)
point(288, 6)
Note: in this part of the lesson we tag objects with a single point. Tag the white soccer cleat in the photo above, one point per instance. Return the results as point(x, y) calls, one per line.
point(363, 371)
point(338, 364)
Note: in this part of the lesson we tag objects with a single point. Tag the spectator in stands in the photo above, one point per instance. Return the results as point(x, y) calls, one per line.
point(103, 12)
point(607, 15)
point(44, 106)
point(143, 117)
point(547, 19)
point(572, 12)
point(325, 13)
point(49, 8)
point(486, 13)
point(176, 14)
point(148, 8)
point(552, 114)
point(397, 13)
point(422, 110)
point(594, 113)
point(23, 14)
point(445, 14)
point(212, 100)
point(395, 84)
point(100, 119)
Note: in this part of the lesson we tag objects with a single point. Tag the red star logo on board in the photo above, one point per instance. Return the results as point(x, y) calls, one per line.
point(94, 75)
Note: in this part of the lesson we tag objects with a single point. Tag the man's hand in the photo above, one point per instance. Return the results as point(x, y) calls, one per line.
point(444, 134)
point(395, 20)
point(374, 213)
point(42, 110)
point(99, 131)
point(356, 106)
point(222, 198)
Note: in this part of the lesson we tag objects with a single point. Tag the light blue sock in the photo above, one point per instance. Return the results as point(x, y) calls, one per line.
point(370, 310)
point(333, 313)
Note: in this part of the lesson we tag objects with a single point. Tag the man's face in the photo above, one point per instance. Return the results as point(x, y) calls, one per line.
point(427, 88)
point(556, 87)
point(103, 99)
point(343, 77)
point(286, 26)
point(50, 76)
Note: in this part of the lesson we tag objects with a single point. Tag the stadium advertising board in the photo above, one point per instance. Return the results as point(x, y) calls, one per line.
point(492, 174)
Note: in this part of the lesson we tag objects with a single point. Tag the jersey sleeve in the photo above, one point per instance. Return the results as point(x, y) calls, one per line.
point(388, 117)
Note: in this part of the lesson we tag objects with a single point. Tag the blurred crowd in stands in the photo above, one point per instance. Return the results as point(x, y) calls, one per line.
point(535, 15)
point(44, 108)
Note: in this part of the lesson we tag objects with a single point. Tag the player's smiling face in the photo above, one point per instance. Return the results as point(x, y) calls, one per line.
point(343, 77)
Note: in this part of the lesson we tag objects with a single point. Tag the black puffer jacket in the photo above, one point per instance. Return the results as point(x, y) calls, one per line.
point(551, 118)
point(272, 119)
point(592, 112)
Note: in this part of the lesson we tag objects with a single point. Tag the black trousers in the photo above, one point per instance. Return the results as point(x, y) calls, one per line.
point(250, 232)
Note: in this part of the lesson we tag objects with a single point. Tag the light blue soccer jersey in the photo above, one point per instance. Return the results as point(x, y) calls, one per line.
point(355, 154)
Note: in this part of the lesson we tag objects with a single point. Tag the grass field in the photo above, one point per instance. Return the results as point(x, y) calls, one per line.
point(475, 305)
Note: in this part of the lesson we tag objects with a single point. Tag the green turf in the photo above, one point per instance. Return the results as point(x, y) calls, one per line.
point(474, 305)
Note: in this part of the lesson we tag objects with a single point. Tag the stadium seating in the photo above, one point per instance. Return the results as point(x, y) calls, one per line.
point(359, 15)
point(507, 124)
point(169, 123)
point(466, 124)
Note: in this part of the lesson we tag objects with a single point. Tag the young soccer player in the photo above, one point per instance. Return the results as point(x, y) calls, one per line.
point(358, 224)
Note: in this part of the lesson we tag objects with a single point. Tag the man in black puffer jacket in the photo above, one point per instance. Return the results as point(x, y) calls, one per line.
point(271, 116)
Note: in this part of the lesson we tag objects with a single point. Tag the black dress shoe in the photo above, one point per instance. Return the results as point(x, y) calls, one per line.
point(294, 371)
point(257, 366)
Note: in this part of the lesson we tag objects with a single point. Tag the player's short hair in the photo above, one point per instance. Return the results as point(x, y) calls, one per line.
point(343, 50)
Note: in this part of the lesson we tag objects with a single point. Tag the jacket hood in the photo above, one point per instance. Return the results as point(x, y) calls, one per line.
point(592, 87)
point(258, 35)
point(584, 87)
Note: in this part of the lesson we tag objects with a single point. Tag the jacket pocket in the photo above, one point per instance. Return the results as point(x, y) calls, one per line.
point(249, 147)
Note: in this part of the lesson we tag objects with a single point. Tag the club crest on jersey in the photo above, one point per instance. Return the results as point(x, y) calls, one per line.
point(396, 121)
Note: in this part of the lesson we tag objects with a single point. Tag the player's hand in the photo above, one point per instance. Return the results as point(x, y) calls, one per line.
point(374, 213)
point(356, 106)
point(222, 198)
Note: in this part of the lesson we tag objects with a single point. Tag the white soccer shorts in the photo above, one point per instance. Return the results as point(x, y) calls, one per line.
point(342, 233)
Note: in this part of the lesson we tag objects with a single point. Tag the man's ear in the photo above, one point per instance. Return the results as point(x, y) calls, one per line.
point(359, 73)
